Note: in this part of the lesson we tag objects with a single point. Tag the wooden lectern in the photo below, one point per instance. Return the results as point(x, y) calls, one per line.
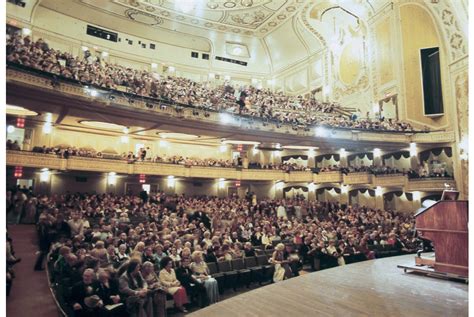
point(445, 224)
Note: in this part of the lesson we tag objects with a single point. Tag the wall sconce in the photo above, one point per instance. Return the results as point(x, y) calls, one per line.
point(416, 195)
point(223, 148)
point(344, 189)
point(378, 191)
point(112, 178)
point(279, 185)
point(47, 128)
point(377, 152)
point(342, 153)
point(221, 183)
point(413, 149)
point(171, 181)
point(44, 175)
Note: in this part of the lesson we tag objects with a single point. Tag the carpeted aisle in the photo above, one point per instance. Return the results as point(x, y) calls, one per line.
point(30, 294)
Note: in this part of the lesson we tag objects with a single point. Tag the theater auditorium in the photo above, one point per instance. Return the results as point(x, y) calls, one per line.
point(236, 158)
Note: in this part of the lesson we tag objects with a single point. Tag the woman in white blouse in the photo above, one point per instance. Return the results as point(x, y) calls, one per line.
point(173, 286)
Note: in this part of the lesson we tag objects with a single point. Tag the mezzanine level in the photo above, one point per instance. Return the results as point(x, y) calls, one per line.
point(53, 162)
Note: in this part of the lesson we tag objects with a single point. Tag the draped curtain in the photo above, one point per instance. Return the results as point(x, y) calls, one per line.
point(303, 188)
point(391, 195)
point(320, 158)
point(296, 157)
point(424, 156)
point(369, 155)
point(321, 190)
point(355, 192)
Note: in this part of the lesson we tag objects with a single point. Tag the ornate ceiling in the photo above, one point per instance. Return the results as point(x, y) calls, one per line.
point(244, 17)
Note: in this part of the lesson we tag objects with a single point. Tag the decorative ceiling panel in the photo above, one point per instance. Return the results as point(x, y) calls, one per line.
point(245, 17)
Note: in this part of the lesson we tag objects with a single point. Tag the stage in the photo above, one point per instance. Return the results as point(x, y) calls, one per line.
point(370, 288)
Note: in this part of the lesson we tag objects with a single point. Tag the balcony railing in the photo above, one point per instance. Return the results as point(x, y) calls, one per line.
point(30, 77)
point(51, 161)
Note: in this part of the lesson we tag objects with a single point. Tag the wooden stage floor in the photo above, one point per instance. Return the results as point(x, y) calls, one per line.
point(370, 288)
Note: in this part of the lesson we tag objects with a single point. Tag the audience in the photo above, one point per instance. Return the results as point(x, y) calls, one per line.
point(271, 107)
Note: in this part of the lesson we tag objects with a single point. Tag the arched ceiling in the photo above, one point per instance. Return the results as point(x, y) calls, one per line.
point(255, 18)
point(263, 29)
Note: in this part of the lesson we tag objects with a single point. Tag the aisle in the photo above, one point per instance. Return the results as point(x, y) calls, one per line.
point(30, 294)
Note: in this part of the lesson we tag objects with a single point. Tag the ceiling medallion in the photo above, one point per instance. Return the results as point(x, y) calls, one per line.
point(143, 17)
point(272, 24)
point(248, 18)
point(281, 16)
point(229, 4)
point(290, 9)
point(247, 3)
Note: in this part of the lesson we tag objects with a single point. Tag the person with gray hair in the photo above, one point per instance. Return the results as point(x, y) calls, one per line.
point(135, 290)
point(158, 291)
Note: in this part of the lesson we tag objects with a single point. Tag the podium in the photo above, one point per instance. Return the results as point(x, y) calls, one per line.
point(445, 224)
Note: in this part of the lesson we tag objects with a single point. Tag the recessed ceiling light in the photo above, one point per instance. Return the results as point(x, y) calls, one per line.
point(103, 125)
point(178, 136)
point(240, 142)
point(237, 50)
point(300, 147)
point(20, 111)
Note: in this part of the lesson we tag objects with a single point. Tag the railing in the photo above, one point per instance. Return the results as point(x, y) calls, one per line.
point(51, 161)
point(28, 76)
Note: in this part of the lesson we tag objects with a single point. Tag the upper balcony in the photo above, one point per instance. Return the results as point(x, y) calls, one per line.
point(41, 92)
point(51, 161)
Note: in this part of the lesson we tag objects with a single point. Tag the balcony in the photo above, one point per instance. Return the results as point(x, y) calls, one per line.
point(357, 178)
point(429, 184)
point(398, 180)
point(22, 82)
point(327, 177)
point(53, 162)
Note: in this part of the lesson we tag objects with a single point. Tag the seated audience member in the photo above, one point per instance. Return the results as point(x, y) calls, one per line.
point(282, 269)
point(201, 272)
point(85, 300)
point(173, 286)
point(158, 291)
point(248, 249)
point(194, 287)
point(108, 291)
point(135, 291)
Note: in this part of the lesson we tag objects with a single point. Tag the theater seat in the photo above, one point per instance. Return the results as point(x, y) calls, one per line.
point(268, 269)
point(255, 269)
point(245, 275)
point(230, 276)
point(217, 275)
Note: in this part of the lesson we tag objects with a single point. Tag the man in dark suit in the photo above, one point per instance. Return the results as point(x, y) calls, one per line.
point(194, 288)
point(84, 297)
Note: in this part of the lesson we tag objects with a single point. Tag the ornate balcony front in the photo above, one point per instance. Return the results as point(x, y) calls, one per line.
point(357, 178)
point(23, 83)
point(327, 177)
point(89, 164)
